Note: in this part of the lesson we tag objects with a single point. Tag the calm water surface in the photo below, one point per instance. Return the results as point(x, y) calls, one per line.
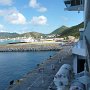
point(14, 65)
point(3, 42)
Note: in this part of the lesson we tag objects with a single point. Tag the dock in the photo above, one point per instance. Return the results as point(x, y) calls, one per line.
point(41, 78)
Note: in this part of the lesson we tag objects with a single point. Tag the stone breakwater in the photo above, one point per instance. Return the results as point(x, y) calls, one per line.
point(29, 47)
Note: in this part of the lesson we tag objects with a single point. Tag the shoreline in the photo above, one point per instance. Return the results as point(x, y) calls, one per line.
point(47, 71)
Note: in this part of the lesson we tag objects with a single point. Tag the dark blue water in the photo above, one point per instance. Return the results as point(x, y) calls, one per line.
point(14, 65)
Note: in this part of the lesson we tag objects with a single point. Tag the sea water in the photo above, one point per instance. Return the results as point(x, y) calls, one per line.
point(14, 65)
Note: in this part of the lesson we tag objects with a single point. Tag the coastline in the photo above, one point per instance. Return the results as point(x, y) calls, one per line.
point(44, 78)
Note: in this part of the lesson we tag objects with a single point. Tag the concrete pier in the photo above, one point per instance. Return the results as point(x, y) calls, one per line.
point(41, 78)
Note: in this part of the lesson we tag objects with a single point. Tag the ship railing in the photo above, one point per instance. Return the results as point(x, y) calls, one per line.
point(79, 44)
point(83, 73)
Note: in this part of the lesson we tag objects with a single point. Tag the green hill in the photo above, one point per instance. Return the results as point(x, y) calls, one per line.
point(32, 34)
point(72, 31)
point(4, 35)
point(68, 31)
point(59, 30)
point(8, 35)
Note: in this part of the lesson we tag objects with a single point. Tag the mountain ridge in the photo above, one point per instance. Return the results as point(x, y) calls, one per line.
point(4, 35)
point(63, 31)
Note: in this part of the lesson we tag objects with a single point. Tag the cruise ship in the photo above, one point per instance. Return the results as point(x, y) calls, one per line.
point(77, 76)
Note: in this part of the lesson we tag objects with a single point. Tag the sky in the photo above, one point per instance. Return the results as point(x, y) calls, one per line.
point(42, 16)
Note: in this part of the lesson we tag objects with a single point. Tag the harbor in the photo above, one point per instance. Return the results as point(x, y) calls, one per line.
point(41, 78)
point(44, 48)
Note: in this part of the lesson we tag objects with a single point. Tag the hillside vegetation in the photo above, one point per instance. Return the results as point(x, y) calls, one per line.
point(69, 31)
point(4, 35)
point(8, 35)
point(72, 31)
point(59, 30)
point(32, 34)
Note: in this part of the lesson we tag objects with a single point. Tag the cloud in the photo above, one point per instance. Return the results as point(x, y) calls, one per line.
point(4, 12)
point(13, 16)
point(16, 18)
point(42, 9)
point(6, 2)
point(34, 4)
point(41, 20)
point(2, 28)
point(38, 6)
